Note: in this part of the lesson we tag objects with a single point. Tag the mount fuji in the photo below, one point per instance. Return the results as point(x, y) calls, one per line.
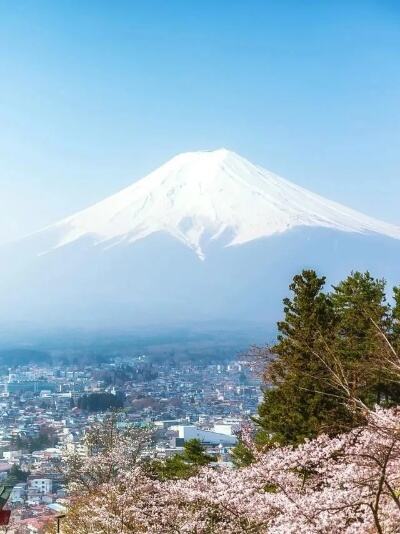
point(206, 236)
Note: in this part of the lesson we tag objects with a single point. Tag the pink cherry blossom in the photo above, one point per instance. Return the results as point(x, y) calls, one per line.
point(348, 484)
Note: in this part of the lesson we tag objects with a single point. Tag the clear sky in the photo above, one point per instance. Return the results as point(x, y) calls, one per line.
point(95, 94)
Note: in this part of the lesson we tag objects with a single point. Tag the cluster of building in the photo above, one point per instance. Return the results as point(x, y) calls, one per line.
point(41, 418)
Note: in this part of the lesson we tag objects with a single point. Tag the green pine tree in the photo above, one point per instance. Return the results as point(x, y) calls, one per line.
point(363, 322)
point(182, 465)
point(298, 400)
point(242, 456)
point(195, 453)
point(16, 475)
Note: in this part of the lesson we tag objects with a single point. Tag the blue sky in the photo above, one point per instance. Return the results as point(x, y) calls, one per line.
point(93, 95)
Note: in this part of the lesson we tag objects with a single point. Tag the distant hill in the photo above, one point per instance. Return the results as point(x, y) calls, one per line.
point(15, 357)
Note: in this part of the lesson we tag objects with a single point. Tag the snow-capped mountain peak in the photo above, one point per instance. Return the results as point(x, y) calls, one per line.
point(201, 197)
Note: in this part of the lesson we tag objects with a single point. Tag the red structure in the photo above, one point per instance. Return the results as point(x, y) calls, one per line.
point(5, 517)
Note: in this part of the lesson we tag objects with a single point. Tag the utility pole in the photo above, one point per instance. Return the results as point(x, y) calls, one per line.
point(59, 517)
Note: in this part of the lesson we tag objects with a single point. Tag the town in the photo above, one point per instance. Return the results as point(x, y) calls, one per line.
point(45, 411)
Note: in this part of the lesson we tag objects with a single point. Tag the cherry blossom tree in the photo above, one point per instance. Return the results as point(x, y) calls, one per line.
point(345, 484)
point(348, 484)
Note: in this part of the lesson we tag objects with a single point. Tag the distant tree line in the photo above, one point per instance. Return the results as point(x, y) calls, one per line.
point(43, 440)
point(142, 372)
point(15, 357)
point(101, 402)
point(16, 475)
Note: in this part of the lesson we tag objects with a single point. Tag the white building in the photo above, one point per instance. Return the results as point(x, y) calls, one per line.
point(42, 485)
point(207, 437)
point(12, 455)
point(18, 493)
point(228, 428)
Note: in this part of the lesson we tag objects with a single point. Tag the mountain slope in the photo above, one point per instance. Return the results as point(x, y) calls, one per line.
point(134, 257)
point(200, 197)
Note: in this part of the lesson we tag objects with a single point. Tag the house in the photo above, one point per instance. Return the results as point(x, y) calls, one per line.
point(41, 485)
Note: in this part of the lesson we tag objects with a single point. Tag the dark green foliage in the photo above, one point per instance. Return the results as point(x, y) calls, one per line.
point(16, 475)
point(44, 439)
point(173, 468)
point(296, 406)
point(363, 321)
point(183, 465)
point(271, 488)
point(5, 492)
point(342, 332)
point(15, 357)
point(101, 402)
point(195, 453)
point(242, 455)
point(141, 372)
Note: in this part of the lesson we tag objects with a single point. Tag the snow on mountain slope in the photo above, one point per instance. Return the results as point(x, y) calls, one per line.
point(199, 197)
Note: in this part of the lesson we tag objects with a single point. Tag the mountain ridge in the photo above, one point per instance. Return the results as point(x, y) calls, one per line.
point(134, 258)
point(206, 196)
